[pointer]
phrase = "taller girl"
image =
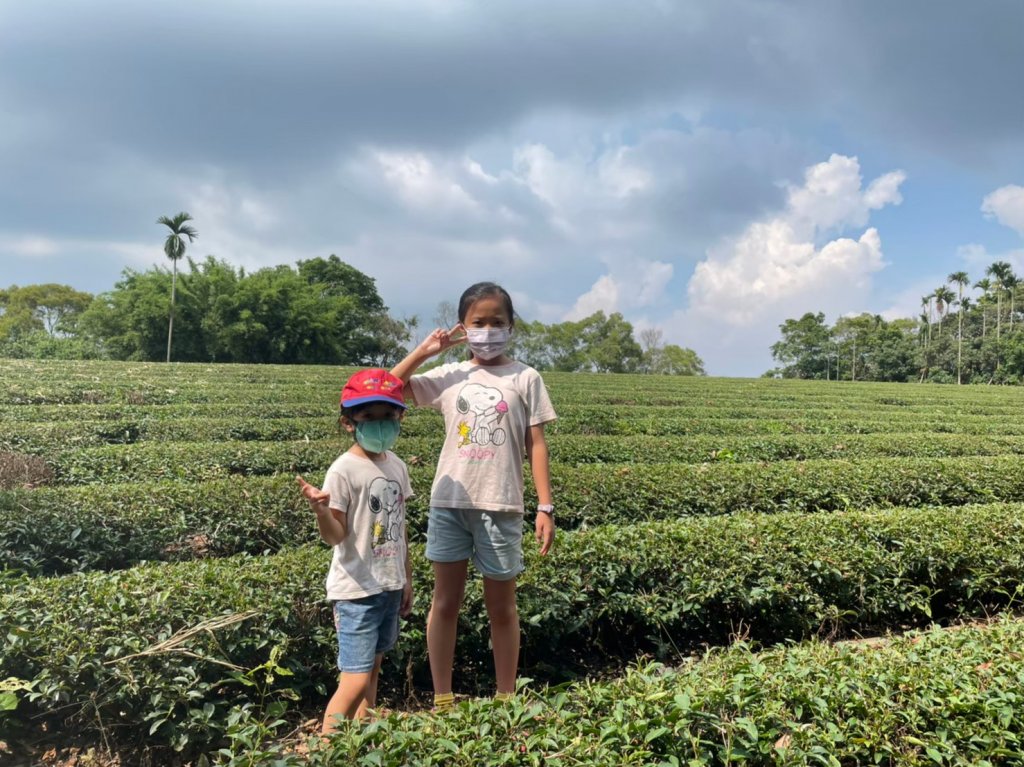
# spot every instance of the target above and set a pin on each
(494, 413)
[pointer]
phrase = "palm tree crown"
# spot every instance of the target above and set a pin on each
(174, 245)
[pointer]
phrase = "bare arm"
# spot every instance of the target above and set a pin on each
(432, 345)
(333, 524)
(406, 608)
(540, 467)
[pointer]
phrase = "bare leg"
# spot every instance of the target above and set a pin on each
(500, 598)
(443, 621)
(347, 699)
(370, 698)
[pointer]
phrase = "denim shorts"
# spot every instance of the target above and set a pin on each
(492, 539)
(366, 627)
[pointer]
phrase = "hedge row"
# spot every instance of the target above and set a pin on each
(210, 460)
(938, 697)
(114, 526)
(43, 376)
(134, 651)
(572, 403)
(71, 430)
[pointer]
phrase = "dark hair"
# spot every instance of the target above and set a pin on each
(474, 293)
(353, 410)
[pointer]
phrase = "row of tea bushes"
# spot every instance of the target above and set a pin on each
(201, 460)
(573, 407)
(51, 377)
(939, 697)
(114, 526)
(134, 649)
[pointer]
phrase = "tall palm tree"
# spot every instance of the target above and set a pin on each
(926, 304)
(998, 271)
(961, 279)
(984, 285)
(943, 298)
(174, 249)
(1011, 281)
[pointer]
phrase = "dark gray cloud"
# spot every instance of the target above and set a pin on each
(606, 133)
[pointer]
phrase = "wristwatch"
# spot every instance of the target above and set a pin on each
(546, 508)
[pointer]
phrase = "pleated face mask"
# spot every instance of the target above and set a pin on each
(487, 343)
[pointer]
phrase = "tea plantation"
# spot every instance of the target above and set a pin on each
(746, 572)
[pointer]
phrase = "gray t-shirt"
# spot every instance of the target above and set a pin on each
(371, 559)
(487, 410)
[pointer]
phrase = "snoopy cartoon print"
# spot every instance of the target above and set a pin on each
(488, 408)
(386, 501)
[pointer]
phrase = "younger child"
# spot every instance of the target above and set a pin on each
(361, 513)
(494, 412)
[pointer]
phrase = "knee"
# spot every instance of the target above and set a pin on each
(446, 607)
(503, 614)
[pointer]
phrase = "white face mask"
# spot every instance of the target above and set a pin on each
(487, 343)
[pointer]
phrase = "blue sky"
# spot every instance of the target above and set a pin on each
(708, 169)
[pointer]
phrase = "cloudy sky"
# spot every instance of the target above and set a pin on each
(707, 168)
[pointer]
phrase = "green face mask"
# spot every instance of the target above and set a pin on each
(377, 436)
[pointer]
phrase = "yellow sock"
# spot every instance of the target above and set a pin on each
(503, 696)
(443, 701)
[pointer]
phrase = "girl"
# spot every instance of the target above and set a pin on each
(361, 513)
(494, 412)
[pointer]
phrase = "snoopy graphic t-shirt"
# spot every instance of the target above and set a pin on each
(487, 411)
(371, 559)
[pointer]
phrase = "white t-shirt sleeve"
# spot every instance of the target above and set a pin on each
(428, 387)
(538, 404)
(338, 487)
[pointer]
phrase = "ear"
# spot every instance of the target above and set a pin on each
(375, 504)
(462, 405)
(346, 423)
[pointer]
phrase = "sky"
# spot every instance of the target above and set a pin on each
(708, 169)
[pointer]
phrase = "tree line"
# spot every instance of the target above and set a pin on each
(957, 338)
(321, 311)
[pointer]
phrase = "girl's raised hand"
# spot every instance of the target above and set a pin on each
(319, 500)
(441, 339)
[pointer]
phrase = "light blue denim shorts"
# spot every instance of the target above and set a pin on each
(492, 539)
(366, 627)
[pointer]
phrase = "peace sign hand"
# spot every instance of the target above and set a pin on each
(441, 340)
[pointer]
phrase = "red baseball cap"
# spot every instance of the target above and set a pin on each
(373, 385)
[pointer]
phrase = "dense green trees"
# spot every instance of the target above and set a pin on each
(42, 321)
(600, 343)
(985, 343)
(321, 311)
(324, 311)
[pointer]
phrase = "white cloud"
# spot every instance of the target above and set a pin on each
(978, 259)
(1006, 205)
(420, 184)
(634, 284)
(831, 196)
(745, 287)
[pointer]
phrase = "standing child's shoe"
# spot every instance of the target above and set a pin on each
(443, 702)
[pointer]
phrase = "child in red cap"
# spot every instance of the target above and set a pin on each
(361, 513)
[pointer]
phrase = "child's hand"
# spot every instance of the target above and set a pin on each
(441, 340)
(319, 500)
(545, 532)
(406, 608)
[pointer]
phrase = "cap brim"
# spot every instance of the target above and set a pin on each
(373, 398)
